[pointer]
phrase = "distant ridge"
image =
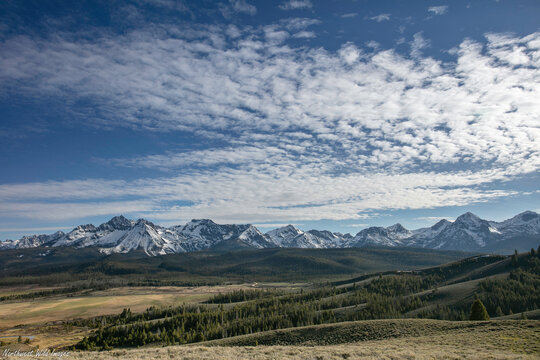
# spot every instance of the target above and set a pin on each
(121, 235)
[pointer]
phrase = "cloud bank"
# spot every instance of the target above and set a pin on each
(309, 134)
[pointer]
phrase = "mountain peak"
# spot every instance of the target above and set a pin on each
(440, 224)
(142, 221)
(397, 228)
(527, 215)
(117, 223)
(290, 227)
(467, 217)
(201, 222)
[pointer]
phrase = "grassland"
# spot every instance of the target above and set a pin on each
(110, 301)
(43, 317)
(383, 339)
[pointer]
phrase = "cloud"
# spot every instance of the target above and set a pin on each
(349, 53)
(71, 210)
(380, 17)
(207, 158)
(438, 10)
(305, 35)
(296, 4)
(243, 7)
(251, 195)
(295, 24)
(349, 15)
(303, 133)
(418, 44)
(34, 230)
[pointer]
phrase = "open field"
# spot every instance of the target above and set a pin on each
(42, 318)
(110, 301)
(384, 339)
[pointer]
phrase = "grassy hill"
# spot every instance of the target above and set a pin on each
(380, 339)
(362, 331)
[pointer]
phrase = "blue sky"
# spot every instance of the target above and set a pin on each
(325, 114)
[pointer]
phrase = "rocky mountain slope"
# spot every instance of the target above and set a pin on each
(120, 235)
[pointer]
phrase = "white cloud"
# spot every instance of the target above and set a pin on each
(35, 230)
(438, 10)
(293, 24)
(243, 7)
(251, 195)
(418, 44)
(380, 17)
(296, 4)
(305, 35)
(349, 53)
(315, 134)
(349, 15)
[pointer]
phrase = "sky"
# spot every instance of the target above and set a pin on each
(334, 114)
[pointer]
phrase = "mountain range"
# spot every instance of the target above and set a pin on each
(121, 235)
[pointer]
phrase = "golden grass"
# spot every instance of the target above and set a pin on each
(42, 317)
(111, 301)
(392, 349)
(510, 340)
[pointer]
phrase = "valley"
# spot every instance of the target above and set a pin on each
(393, 297)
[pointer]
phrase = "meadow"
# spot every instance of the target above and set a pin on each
(378, 339)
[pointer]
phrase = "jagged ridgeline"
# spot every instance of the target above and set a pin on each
(120, 235)
(444, 292)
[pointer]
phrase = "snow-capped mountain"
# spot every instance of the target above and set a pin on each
(120, 235)
(205, 234)
(467, 232)
(106, 234)
(526, 223)
(31, 241)
(394, 235)
(144, 235)
(290, 236)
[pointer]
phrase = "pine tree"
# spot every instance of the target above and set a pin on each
(514, 258)
(478, 311)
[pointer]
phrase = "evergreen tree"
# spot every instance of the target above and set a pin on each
(478, 311)
(514, 258)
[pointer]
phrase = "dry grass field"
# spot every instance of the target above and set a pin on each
(110, 301)
(392, 339)
(42, 317)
